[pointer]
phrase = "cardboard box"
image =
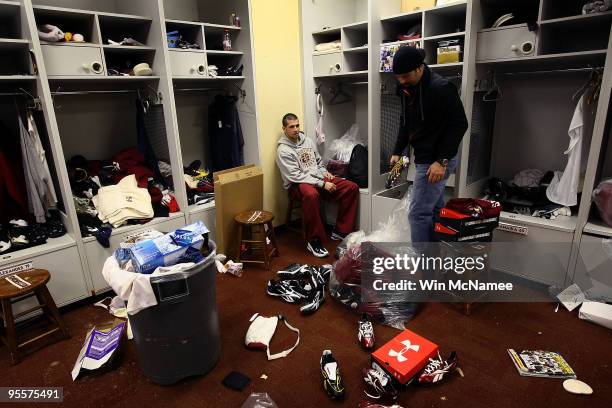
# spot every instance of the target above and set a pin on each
(236, 190)
(411, 5)
(405, 355)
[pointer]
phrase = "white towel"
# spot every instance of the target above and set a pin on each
(563, 188)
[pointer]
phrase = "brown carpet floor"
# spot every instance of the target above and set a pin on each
(480, 341)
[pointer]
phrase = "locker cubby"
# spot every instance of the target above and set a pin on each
(10, 20)
(524, 11)
(354, 36)
(117, 28)
(214, 37)
(191, 33)
(431, 48)
(552, 9)
(405, 24)
(326, 36)
(72, 21)
(120, 59)
(444, 20)
(574, 36)
(15, 61)
(354, 62)
(224, 61)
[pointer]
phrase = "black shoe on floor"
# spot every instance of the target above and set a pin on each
(316, 248)
(332, 381)
(338, 236)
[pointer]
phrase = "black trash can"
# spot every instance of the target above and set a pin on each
(179, 337)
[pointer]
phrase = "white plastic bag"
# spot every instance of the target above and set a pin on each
(342, 148)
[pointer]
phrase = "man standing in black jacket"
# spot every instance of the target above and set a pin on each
(433, 122)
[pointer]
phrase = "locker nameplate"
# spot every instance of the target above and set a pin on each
(26, 266)
(514, 229)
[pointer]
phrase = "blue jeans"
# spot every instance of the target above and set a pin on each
(427, 201)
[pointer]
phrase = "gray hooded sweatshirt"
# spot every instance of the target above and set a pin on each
(299, 162)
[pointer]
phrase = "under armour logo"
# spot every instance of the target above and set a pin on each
(400, 354)
(129, 199)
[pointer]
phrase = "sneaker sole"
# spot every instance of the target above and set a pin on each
(312, 251)
(337, 237)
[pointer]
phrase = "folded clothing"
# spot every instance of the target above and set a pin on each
(116, 204)
(330, 46)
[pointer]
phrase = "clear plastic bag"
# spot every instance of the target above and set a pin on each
(259, 400)
(341, 149)
(354, 251)
(602, 197)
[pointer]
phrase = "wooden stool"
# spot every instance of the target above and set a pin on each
(9, 294)
(295, 204)
(260, 227)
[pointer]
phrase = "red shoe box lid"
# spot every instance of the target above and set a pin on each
(405, 355)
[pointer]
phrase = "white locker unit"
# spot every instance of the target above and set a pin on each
(19, 84)
(526, 126)
(204, 22)
(339, 77)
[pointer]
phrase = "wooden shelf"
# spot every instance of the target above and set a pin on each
(357, 50)
(344, 74)
(52, 245)
(102, 78)
(419, 40)
(9, 8)
(220, 27)
(122, 18)
(207, 78)
(360, 25)
(599, 228)
(52, 10)
(134, 228)
(328, 31)
(8, 78)
(186, 50)
(443, 36)
(221, 52)
(565, 224)
(549, 61)
(70, 44)
(9, 44)
(579, 20)
(128, 48)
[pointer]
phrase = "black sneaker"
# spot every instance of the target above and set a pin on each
(293, 271)
(291, 291)
(314, 301)
(338, 236)
(332, 381)
(317, 249)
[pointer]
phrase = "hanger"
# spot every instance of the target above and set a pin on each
(494, 93)
(339, 95)
(593, 85)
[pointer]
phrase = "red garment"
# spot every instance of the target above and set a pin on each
(347, 196)
(131, 161)
(173, 205)
(13, 201)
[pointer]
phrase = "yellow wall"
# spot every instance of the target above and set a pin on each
(278, 79)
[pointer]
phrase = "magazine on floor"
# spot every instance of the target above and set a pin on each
(539, 363)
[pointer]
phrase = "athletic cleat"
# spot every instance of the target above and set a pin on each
(437, 368)
(338, 236)
(365, 334)
(291, 291)
(314, 301)
(332, 381)
(293, 271)
(317, 249)
(379, 385)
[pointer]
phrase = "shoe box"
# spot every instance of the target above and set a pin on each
(404, 356)
(455, 226)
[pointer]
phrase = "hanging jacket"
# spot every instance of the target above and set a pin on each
(41, 193)
(433, 121)
(225, 134)
(144, 144)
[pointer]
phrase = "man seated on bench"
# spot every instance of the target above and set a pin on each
(307, 180)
